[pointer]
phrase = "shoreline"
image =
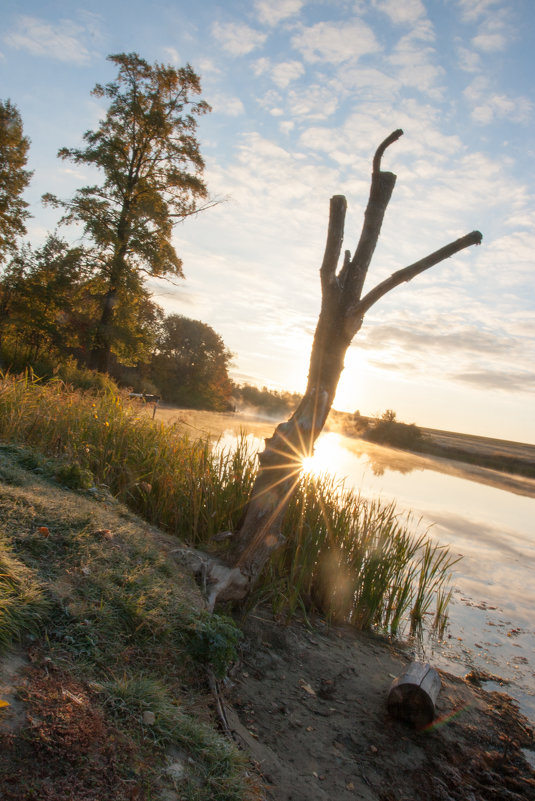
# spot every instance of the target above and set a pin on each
(308, 702)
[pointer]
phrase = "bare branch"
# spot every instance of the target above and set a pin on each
(407, 273)
(335, 236)
(209, 205)
(382, 186)
(394, 136)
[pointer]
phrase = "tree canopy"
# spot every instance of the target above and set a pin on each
(147, 149)
(45, 300)
(190, 365)
(14, 178)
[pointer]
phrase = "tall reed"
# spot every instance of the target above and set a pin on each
(168, 478)
(356, 560)
(346, 557)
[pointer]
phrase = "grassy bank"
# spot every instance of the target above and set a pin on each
(345, 557)
(114, 646)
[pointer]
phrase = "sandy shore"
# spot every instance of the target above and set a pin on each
(309, 706)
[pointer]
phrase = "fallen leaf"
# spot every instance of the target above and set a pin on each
(3, 703)
(308, 689)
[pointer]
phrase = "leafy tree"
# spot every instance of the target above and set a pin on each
(14, 178)
(44, 299)
(149, 155)
(191, 364)
(266, 400)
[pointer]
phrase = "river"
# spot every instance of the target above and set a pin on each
(484, 516)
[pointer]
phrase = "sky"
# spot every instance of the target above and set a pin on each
(302, 93)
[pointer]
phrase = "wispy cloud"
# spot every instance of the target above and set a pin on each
(495, 32)
(424, 336)
(334, 43)
(316, 102)
(507, 380)
(472, 10)
(63, 41)
(172, 55)
(509, 260)
(465, 353)
(488, 105)
(227, 105)
(282, 73)
(415, 62)
(490, 42)
(286, 72)
(271, 12)
(237, 38)
(468, 60)
(406, 12)
(368, 82)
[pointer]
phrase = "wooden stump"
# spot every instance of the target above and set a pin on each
(412, 695)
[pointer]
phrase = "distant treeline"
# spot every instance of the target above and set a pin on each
(265, 401)
(387, 430)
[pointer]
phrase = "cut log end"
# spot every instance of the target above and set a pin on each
(413, 695)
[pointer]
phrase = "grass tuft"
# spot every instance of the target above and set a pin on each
(355, 560)
(23, 605)
(212, 765)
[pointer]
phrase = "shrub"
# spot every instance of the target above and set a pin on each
(213, 642)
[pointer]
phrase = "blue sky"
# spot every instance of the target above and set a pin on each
(302, 93)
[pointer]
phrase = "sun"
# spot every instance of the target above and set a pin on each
(311, 465)
(325, 458)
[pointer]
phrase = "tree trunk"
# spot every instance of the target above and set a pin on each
(341, 316)
(99, 357)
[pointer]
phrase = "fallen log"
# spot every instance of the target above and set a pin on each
(412, 695)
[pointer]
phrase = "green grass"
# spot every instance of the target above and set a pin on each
(345, 557)
(162, 474)
(356, 560)
(109, 611)
(128, 699)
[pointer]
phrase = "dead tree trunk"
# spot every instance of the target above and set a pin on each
(342, 311)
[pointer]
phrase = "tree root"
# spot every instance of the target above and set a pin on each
(218, 581)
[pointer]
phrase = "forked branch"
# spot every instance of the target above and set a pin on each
(407, 273)
(341, 315)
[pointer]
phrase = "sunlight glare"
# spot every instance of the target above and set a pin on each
(326, 456)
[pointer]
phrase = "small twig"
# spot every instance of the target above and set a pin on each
(212, 683)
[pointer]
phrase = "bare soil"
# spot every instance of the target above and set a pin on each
(309, 705)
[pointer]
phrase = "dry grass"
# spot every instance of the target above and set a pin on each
(345, 557)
